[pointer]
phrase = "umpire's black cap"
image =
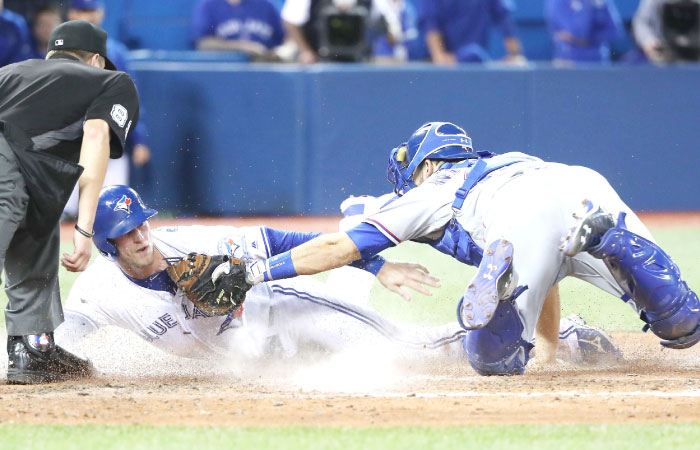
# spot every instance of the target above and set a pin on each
(80, 35)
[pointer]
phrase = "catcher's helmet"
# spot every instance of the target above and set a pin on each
(119, 210)
(434, 140)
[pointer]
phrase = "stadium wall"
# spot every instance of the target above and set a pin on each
(244, 139)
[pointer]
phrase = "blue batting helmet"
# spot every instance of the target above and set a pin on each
(119, 210)
(434, 140)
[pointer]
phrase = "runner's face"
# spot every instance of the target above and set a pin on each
(136, 247)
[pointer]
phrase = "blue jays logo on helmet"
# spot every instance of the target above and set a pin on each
(434, 140)
(119, 210)
(124, 204)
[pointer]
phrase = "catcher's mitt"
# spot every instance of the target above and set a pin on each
(215, 284)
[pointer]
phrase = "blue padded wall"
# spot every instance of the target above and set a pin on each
(232, 138)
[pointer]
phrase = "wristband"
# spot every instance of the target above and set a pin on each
(280, 267)
(275, 268)
(372, 265)
(83, 232)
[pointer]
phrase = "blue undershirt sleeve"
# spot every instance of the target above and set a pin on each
(368, 240)
(282, 241)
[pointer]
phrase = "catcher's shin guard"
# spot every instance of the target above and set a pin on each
(498, 348)
(653, 282)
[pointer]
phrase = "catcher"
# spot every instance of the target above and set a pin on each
(140, 292)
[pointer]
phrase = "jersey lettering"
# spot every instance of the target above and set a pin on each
(196, 312)
(158, 328)
(161, 326)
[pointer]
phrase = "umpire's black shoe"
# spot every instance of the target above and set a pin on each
(35, 359)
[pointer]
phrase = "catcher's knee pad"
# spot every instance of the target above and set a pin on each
(498, 348)
(653, 282)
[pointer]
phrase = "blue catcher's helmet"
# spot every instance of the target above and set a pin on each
(434, 140)
(119, 210)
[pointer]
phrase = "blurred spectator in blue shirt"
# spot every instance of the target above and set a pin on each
(46, 18)
(458, 30)
(404, 44)
(583, 29)
(15, 43)
(250, 26)
(93, 11)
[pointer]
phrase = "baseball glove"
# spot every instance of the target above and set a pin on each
(215, 284)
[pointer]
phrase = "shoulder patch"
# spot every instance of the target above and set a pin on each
(119, 115)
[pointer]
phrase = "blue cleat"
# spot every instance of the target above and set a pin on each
(494, 281)
(591, 224)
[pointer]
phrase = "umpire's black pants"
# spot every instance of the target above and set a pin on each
(31, 265)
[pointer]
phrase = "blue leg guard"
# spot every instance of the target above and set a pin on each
(498, 348)
(653, 282)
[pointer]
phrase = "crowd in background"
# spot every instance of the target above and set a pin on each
(441, 31)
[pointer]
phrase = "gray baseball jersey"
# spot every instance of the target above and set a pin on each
(506, 205)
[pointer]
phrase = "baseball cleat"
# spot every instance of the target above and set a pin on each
(591, 224)
(589, 345)
(494, 281)
(37, 359)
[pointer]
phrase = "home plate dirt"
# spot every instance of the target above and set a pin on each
(140, 385)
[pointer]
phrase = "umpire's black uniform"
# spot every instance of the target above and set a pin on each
(43, 106)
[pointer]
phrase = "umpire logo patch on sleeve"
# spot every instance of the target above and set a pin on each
(119, 115)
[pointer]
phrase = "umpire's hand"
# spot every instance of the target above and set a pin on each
(78, 261)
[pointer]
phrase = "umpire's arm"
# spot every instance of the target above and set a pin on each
(94, 156)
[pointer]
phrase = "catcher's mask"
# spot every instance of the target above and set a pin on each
(119, 210)
(443, 141)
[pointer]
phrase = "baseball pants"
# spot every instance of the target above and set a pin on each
(30, 265)
(534, 211)
(305, 313)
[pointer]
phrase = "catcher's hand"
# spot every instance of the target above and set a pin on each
(215, 284)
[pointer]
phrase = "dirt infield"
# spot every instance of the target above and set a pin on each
(139, 385)
(650, 386)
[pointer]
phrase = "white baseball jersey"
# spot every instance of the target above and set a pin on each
(282, 315)
(528, 203)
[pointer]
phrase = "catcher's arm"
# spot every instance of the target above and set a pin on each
(215, 284)
(333, 250)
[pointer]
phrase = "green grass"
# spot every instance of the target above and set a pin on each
(541, 437)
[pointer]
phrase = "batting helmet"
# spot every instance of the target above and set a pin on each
(435, 140)
(119, 210)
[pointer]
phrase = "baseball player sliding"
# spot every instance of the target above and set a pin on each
(508, 214)
(131, 288)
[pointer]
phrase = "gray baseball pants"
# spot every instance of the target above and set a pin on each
(31, 265)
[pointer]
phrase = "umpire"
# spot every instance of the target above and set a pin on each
(59, 118)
